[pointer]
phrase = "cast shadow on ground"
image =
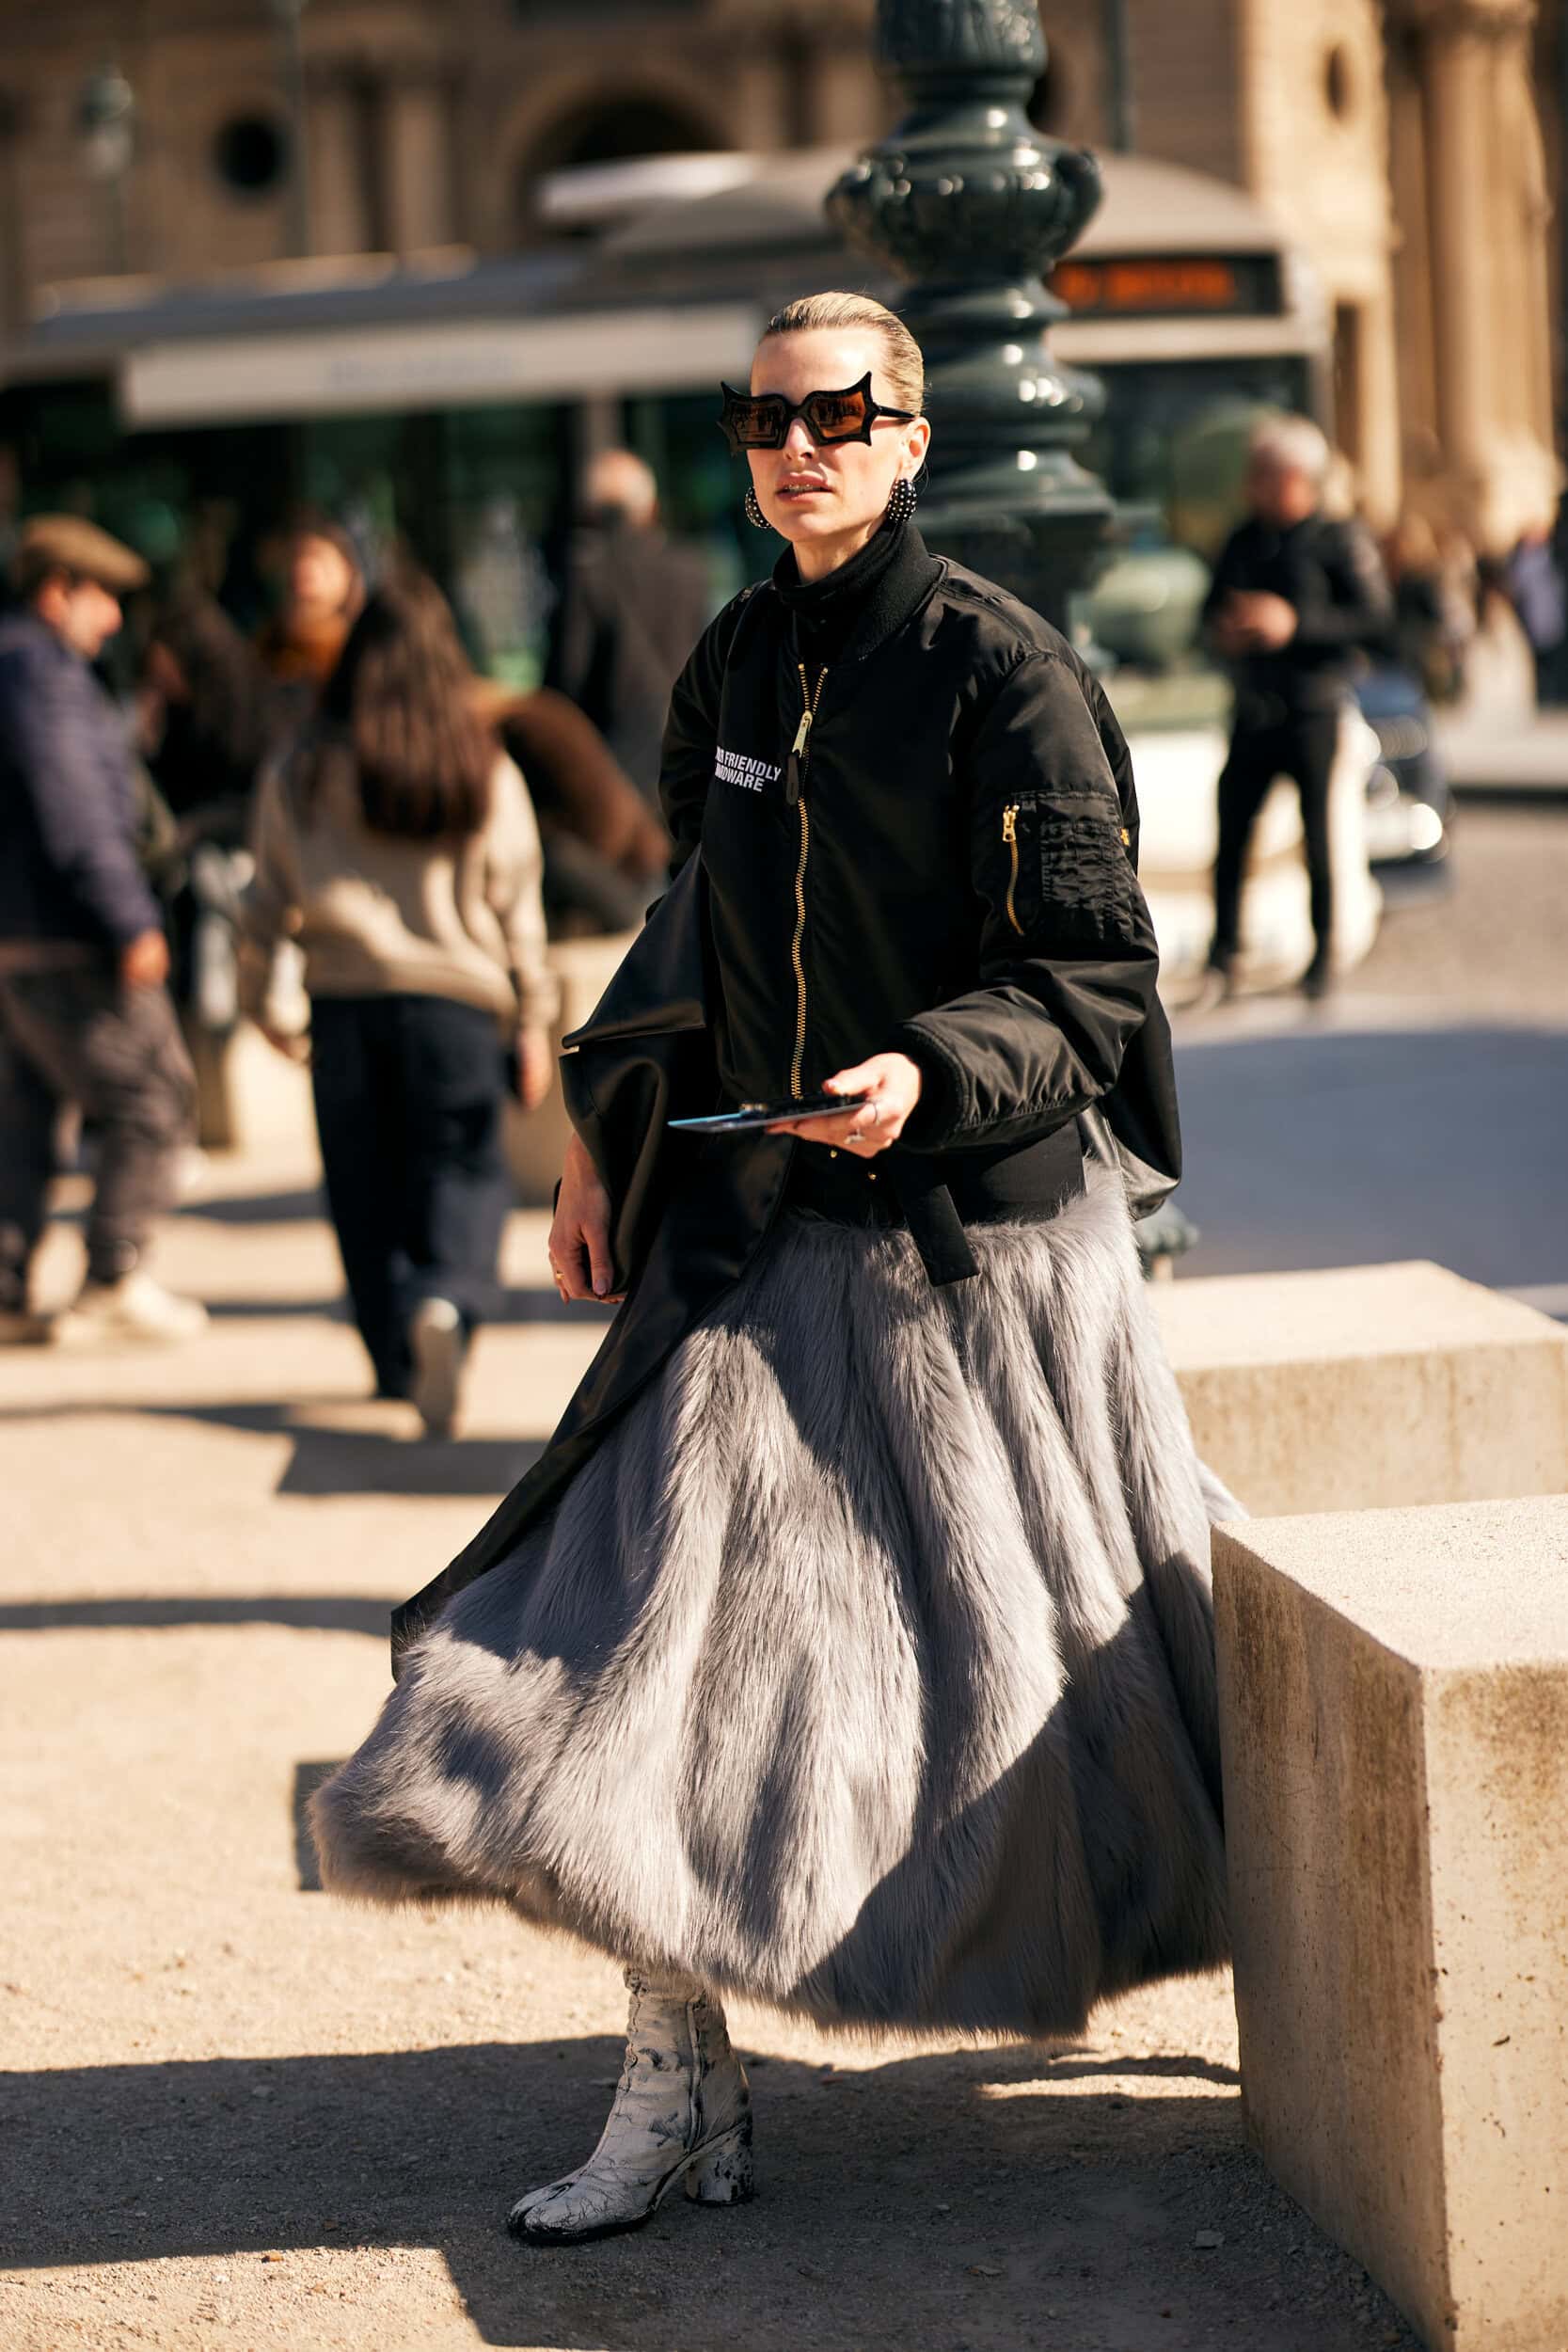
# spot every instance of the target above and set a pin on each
(296, 1207)
(1037, 2198)
(332, 1461)
(520, 1305)
(312, 1613)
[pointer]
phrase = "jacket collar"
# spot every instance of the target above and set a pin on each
(893, 593)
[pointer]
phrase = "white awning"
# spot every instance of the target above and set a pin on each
(445, 364)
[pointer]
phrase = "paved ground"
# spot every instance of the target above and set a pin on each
(237, 2117)
(1422, 1113)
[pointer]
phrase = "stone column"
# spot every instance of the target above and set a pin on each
(13, 281)
(1486, 264)
(417, 159)
(1459, 167)
(341, 206)
(847, 100)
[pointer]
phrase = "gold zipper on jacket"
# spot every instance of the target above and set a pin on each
(1009, 835)
(800, 751)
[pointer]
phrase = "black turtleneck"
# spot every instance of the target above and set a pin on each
(828, 615)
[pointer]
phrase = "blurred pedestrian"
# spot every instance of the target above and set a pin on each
(1432, 622)
(632, 602)
(324, 586)
(1296, 595)
(208, 718)
(1532, 579)
(85, 1017)
(607, 854)
(396, 845)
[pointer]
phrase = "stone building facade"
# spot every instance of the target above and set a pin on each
(1399, 141)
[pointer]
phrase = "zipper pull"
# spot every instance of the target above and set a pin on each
(794, 765)
(1009, 823)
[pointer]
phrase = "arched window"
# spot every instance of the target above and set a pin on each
(611, 131)
(633, 125)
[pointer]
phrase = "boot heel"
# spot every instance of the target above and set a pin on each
(723, 2173)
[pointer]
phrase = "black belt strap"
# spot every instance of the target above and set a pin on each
(934, 1224)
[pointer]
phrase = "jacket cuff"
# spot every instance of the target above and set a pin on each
(944, 1092)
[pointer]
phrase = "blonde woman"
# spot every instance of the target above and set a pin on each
(851, 1647)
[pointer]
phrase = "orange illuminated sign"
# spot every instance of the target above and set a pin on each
(1168, 284)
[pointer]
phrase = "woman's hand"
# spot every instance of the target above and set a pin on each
(535, 1066)
(890, 1082)
(578, 1244)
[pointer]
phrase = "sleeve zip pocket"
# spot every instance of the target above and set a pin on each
(1046, 853)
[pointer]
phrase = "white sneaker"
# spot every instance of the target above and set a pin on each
(682, 2117)
(136, 1307)
(436, 1337)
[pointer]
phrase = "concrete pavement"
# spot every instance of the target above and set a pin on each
(1422, 1111)
(238, 2117)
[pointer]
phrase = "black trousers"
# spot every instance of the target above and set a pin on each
(1302, 748)
(409, 1093)
(79, 1036)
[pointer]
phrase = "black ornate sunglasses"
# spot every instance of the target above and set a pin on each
(761, 419)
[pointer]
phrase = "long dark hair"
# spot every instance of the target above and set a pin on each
(215, 741)
(402, 697)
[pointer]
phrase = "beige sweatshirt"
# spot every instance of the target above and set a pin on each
(375, 915)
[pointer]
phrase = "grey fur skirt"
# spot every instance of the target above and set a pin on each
(867, 1669)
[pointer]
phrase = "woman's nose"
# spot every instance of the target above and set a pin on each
(798, 440)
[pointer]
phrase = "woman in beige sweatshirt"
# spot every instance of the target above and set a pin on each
(396, 849)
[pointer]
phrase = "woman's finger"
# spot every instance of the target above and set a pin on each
(600, 1271)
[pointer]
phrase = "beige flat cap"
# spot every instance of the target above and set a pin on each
(67, 543)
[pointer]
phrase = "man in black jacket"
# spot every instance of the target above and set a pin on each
(633, 604)
(1296, 596)
(85, 1017)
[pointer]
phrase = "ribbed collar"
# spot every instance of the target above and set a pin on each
(858, 606)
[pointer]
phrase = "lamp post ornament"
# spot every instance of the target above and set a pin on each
(975, 206)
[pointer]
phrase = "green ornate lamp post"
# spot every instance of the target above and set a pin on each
(975, 206)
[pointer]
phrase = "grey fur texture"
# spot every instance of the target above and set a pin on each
(867, 1667)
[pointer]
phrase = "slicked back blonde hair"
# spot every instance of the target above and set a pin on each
(838, 313)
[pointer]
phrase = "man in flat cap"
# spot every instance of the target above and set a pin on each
(85, 1017)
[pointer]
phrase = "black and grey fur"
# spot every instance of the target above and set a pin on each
(867, 1668)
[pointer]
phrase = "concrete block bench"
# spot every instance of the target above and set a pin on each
(1369, 1386)
(1394, 1695)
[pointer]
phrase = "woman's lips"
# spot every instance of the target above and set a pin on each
(802, 489)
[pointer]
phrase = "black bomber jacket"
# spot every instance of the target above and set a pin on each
(949, 869)
(942, 862)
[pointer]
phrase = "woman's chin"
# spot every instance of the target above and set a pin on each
(813, 521)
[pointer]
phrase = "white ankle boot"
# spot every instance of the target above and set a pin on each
(682, 2113)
